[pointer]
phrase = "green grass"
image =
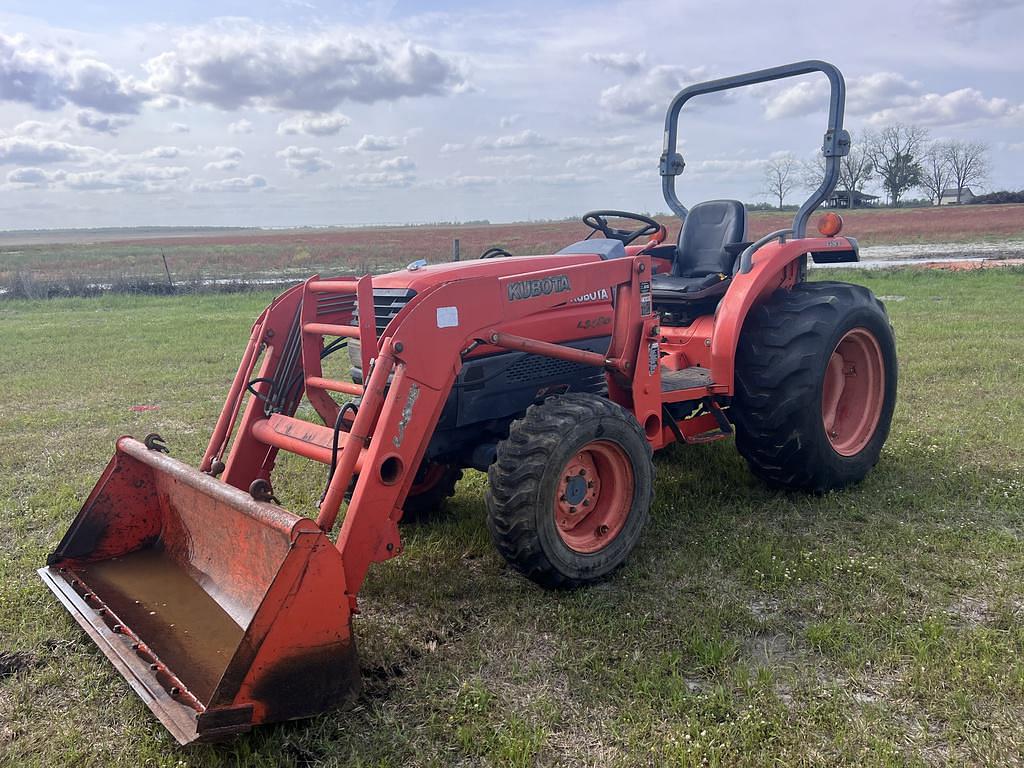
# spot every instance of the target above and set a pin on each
(879, 626)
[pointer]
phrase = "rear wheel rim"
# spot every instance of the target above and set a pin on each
(594, 496)
(853, 392)
(426, 478)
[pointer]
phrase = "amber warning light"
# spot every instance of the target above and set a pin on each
(830, 224)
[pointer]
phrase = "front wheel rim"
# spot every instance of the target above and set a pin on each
(594, 496)
(853, 392)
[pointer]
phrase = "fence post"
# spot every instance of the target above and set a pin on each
(170, 284)
(455, 249)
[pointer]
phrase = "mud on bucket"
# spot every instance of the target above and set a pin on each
(221, 611)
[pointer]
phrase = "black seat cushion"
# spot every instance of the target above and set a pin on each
(707, 229)
(704, 261)
(671, 289)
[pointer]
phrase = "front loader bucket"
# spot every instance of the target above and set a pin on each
(221, 611)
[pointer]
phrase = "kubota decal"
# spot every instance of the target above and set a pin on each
(601, 295)
(545, 286)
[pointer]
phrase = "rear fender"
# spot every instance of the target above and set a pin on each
(774, 266)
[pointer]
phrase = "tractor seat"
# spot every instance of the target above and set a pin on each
(711, 239)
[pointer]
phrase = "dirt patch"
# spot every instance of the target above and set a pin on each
(966, 266)
(771, 650)
(13, 662)
(971, 611)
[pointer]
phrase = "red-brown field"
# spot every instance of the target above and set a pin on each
(289, 253)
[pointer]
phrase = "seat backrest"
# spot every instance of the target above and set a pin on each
(707, 229)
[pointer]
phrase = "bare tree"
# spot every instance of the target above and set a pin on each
(781, 177)
(855, 171)
(968, 163)
(935, 171)
(894, 152)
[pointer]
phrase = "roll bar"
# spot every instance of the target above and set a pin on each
(836, 143)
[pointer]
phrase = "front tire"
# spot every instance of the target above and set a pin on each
(815, 386)
(570, 491)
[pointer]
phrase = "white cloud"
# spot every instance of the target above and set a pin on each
(381, 179)
(100, 123)
(400, 163)
(627, 63)
(314, 124)
(648, 94)
(525, 139)
(467, 180)
(31, 151)
(558, 179)
(240, 126)
(48, 78)
(238, 64)
(228, 153)
(509, 120)
(971, 11)
(592, 160)
(885, 97)
(595, 142)
(509, 160)
(40, 129)
(864, 94)
(965, 105)
(33, 177)
(221, 165)
(304, 160)
(162, 153)
(180, 128)
(152, 178)
(720, 168)
(237, 184)
(447, 149)
(370, 143)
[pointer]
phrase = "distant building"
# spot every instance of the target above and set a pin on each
(949, 196)
(842, 198)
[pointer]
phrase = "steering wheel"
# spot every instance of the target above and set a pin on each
(598, 221)
(494, 252)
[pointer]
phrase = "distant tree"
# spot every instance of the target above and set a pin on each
(935, 171)
(1001, 197)
(855, 171)
(895, 152)
(781, 176)
(968, 163)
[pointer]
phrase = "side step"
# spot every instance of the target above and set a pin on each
(686, 378)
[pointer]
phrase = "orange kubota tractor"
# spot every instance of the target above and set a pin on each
(557, 374)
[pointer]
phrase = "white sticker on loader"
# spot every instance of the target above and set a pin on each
(447, 317)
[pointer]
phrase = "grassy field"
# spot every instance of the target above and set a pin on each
(879, 626)
(115, 256)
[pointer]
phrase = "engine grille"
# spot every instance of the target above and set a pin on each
(387, 302)
(533, 367)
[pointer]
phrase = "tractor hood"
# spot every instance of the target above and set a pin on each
(419, 279)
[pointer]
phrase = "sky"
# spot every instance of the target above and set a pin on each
(296, 113)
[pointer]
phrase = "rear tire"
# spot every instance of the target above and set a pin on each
(570, 491)
(815, 386)
(433, 486)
